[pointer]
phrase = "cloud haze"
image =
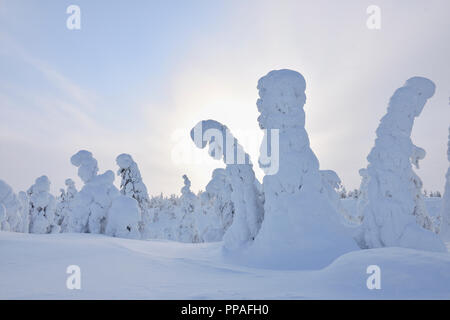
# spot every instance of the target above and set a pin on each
(139, 74)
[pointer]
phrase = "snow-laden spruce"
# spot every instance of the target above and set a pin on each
(248, 211)
(42, 207)
(445, 211)
(301, 227)
(187, 213)
(391, 203)
(13, 218)
(133, 186)
(91, 204)
(65, 204)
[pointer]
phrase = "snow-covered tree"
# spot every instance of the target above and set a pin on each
(91, 204)
(24, 211)
(124, 218)
(391, 200)
(187, 215)
(42, 206)
(301, 227)
(65, 204)
(445, 211)
(217, 208)
(4, 225)
(245, 196)
(164, 219)
(12, 207)
(132, 185)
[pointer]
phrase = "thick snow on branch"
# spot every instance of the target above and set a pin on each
(301, 227)
(87, 165)
(392, 203)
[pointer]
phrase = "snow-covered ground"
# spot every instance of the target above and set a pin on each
(33, 266)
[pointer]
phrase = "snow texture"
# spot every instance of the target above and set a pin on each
(391, 203)
(301, 227)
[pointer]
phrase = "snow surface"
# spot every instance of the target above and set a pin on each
(34, 267)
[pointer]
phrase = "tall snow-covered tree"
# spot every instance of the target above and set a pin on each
(132, 185)
(91, 204)
(391, 201)
(301, 227)
(42, 206)
(12, 207)
(445, 211)
(248, 210)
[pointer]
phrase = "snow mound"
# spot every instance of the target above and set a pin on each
(123, 218)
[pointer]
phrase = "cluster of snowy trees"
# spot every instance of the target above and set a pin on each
(128, 212)
(294, 218)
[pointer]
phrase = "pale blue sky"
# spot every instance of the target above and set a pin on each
(141, 73)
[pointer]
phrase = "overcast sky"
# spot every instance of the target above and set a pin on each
(139, 75)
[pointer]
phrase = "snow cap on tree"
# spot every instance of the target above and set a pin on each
(87, 165)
